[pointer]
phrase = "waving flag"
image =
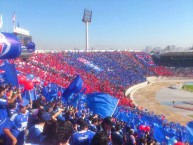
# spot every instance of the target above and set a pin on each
(159, 133)
(29, 95)
(76, 84)
(189, 127)
(50, 92)
(45, 92)
(1, 21)
(123, 116)
(102, 104)
(74, 87)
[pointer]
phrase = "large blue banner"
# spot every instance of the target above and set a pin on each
(102, 104)
(10, 47)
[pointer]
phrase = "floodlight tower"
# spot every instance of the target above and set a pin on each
(87, 19)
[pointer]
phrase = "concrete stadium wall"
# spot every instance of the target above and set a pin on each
(149, 80)
(136, 87)
(130, 91)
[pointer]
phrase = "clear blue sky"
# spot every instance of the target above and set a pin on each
(117, 24)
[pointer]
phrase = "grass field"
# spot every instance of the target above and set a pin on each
(188, 88)
(191, 116)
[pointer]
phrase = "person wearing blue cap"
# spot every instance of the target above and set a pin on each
(15, 127)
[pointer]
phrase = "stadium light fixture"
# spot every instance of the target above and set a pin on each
(87, 19)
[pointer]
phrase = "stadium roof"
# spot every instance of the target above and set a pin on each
(190, 53)
(176, 54)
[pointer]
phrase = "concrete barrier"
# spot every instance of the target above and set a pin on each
(151, 79)
(129, 90)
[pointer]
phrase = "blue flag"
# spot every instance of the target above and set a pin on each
(159, 133)
(102, 104)
(29, 95)
(147, 119)
(123, 116)
(189, 127)
(47, 93)
(74, 87)
(8, 74)
(50, 92)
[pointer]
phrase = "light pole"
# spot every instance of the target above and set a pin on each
(87, 19)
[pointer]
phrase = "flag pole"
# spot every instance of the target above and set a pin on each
(13, 19)
(1, 22)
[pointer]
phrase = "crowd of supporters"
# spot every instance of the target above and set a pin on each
(111, 72)
(178, 65)
(51, 122)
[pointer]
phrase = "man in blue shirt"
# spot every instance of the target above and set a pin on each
(15, 126)
(3, 107)
(84, 136)
(35, 131)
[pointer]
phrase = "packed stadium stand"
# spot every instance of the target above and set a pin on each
(109, 72)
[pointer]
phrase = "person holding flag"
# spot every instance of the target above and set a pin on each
(3, 107)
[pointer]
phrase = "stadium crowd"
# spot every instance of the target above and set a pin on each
(37, 114)
(51, 123)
